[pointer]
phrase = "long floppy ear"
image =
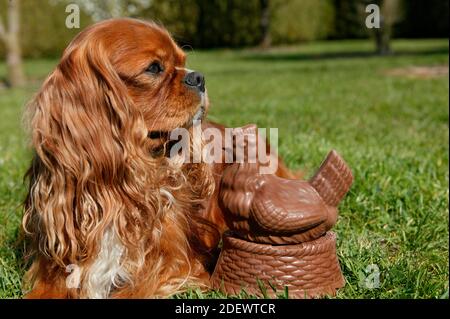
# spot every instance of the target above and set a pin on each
(90, 170)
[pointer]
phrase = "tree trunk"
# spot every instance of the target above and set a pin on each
(383, 38)
(266, 40)
(11, 37)
(390, 13)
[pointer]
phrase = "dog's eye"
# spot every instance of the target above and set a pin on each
(154, 68)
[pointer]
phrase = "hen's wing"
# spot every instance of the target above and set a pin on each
(287, 206)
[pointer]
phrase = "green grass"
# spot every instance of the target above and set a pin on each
(392, 130)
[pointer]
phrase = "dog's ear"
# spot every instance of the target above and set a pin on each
(89, 143)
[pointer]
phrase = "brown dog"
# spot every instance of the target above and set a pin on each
(108, 214)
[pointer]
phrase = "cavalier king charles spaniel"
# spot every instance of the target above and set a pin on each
(108, 213)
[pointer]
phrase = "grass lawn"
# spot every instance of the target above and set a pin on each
(392, 129)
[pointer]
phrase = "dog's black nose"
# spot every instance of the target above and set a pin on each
(196, 80)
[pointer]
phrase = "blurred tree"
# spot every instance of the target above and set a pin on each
(43, 32)
(301, 20)
(266, 39)
(347, 20)
(222, 23)
(390, 14)
(350, 16)
(179, 17)
(208, 23)
(424, 19)
(10, 36)
(230, 23)
(105, 9)
(235, 23)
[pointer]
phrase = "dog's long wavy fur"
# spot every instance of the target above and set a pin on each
(97, 199)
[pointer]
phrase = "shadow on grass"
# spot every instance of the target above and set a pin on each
(297, 56)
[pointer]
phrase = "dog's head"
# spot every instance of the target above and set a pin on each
(144, 64)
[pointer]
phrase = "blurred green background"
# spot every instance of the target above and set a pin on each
(228, 23)
(312, 69)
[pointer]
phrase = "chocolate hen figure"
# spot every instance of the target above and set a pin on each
(269, 209)
(279, 229)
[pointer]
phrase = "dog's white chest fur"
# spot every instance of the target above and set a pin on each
(106, 272)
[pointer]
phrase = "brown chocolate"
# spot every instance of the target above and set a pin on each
(269, 209)
(308, 269)
(279, 229)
